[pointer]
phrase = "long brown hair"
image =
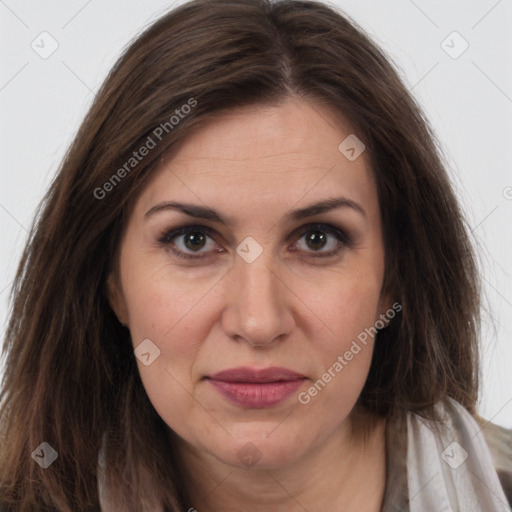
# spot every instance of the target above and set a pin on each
(71, 378)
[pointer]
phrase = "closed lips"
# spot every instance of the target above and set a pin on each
(254, 375)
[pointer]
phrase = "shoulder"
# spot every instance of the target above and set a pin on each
(499, 441)
(488, 445)
(470, 460)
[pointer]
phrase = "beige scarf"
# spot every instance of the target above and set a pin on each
(449, 465)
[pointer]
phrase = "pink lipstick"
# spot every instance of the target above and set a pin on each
(256, 388)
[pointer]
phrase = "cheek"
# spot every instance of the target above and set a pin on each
(161, 303)
(177, 322)
(170, 321)
(176, 316)
(347, 304)
(347, 309)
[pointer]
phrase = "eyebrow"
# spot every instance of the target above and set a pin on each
(204, 212)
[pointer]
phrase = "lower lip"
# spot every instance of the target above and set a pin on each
(257, 395)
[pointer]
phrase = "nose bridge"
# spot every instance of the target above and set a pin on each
(257, 309)
(254, 266)
(257, 280)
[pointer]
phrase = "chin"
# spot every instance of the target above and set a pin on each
(262, 451)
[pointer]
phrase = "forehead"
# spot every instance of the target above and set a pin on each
(262, 154)
(292, 129)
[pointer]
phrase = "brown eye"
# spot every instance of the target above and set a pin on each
(188, 242)
(316, 240)
(322, 236)
(194, 240)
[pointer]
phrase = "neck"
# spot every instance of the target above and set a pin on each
(346, 472)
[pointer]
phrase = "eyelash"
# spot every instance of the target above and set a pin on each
(343, 238)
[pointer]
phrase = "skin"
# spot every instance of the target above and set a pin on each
(286, 308)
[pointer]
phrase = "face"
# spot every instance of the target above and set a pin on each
(235, 280)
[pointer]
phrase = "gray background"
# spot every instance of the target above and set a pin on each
(468, 99)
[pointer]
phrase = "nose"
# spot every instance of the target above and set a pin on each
(258, 309)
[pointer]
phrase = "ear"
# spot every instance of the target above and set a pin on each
(387, 308)
(385, 303)
(116, 298)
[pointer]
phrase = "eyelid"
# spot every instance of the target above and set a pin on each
(344, 238)
(340, 233)
(168, 235)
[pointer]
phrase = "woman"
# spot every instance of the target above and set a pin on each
(250, 286)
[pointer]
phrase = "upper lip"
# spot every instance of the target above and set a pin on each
(247, 374)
